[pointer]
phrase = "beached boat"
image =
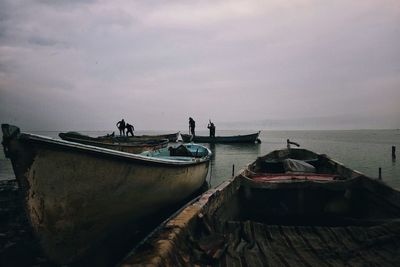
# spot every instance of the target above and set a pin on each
(292, 207)
(135, 146)
(248, 138)
(76, 196)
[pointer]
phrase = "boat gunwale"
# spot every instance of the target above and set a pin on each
(135, 143)
(110, 152)
(198, 204)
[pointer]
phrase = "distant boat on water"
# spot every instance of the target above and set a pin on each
(173, 137)
(291, 207)
(130, 145)
(77, 196)
(248, 138)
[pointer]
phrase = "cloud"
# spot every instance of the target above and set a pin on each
(159, 62)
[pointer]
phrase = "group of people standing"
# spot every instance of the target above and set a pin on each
(121, 125)
(192, 126)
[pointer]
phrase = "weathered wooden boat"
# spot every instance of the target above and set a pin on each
(292, 207)
(131, 146)
(248, 138)
(76, 195)
(171, 137)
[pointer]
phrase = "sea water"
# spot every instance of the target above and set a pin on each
(363, 150)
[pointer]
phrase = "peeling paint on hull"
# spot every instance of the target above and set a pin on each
(77, 195)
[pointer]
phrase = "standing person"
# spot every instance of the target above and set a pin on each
(129, 129)
(192, 125)
(121, 127)
(211, 126)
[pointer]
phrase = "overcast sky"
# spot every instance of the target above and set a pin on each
(85, 64)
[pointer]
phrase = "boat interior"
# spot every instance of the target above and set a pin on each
(339, 203)
(180, 152)
(307, 223)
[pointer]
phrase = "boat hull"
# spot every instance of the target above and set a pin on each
(250, 138)
(76, 195)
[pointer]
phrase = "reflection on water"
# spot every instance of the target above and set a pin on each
(228, 158)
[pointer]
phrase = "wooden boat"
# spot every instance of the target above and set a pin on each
(292, 207)
(171, 137)
(248, 138)
(76, 196)
(130, 146)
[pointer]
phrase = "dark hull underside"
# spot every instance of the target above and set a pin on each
(250, 138)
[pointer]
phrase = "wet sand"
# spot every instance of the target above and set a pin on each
(18, 246)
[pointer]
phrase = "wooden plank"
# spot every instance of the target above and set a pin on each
(371, 248)
(300, 243)
(313, 244)
(334, 245)
(352, 257)
(263, 239)
(281, 247)
(294, 245)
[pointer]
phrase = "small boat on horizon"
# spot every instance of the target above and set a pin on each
(291, 207)
(248, 138)
(79, 197)
(130, 145)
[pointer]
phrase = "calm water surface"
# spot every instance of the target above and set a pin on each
(362, 150)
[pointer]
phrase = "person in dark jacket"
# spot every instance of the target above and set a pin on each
(192, 125)
(121, 127)
(129, 129)
(211, 126)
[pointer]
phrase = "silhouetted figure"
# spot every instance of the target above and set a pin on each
(211, 126)
(192, 125)
(111, 135)
(291, 143)
(129, 129)
(121, 127)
